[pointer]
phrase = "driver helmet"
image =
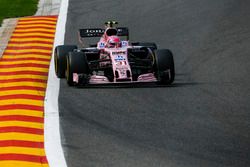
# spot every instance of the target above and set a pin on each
(113, 42)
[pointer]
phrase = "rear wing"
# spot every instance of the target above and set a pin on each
(123, 31)
(98, 32)
(91, 32)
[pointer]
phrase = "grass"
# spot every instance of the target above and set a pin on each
(17, 8)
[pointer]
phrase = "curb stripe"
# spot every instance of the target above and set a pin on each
(23, 157)
(25, 65)
(21, 96)
(17, 69)
(22, 88)
(28, 47)
(23, 80)
(31, 42)
(19, 143)
(21, 129)
(22, 150)
(28, 92)
(38, 32)
(35, 30)
(45, 33)
(20, 124)
(13, 163)
(21, 136)
(28, 56)
(22, 62)
(32, 18)
(22, 112)
(23, 51)
(32, 36)
(11, 75)
(37, 103)
(21, 106)
(36, 23)
(24, 73)
(28, 53)
(35, 35)
(37, 20)
(24, 59)
(35, 27)
(21, 118)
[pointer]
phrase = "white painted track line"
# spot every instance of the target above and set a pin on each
(53, 147)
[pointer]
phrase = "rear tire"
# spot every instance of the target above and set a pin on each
(60, 59)
(76, 63)
(164, 62)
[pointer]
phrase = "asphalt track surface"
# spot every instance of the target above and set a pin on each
(203, 119)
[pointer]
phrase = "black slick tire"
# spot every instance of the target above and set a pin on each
(76, 63)
(164, 69)
(60, 59)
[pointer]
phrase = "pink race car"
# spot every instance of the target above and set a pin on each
(113, 60)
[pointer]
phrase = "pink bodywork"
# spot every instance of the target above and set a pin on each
(120, 64)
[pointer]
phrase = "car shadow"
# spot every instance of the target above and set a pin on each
(181, 80)
(138, 85)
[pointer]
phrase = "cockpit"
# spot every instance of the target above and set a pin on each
(111, 31)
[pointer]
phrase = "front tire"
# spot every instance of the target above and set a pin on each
(165, 70)
(76, 63)
(60, 59)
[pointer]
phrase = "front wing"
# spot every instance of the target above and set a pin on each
(83, 80)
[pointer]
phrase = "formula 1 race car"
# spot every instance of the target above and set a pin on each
(113, 60)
